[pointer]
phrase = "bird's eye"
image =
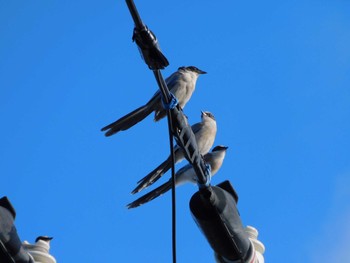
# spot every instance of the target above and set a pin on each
(211, 115)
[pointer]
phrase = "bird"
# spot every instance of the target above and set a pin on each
(185, 175)
(42, 244)
(204, 132)
(181, 84)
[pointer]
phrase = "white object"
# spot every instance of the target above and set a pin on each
(258, 246)
(39, 251)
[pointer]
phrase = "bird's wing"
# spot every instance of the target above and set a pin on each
(172, 80)
(196, 127)
(186, 175)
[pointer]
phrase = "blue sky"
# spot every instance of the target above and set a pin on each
(278, 84)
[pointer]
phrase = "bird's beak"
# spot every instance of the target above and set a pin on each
(201, 72)
(203, 113)
(225, 147)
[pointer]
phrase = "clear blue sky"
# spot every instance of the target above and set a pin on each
(278, 83)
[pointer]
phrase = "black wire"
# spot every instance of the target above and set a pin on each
(166, 97)
(173, 192)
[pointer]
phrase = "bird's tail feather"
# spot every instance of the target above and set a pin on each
(153, 176)
(128, 120)
(151, 195)
(160, 115)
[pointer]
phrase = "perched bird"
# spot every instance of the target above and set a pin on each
(204, 132)
(185, 175)
(42, 243)
(39, 251)
(181, 84)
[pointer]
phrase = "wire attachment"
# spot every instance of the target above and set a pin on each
(207, 176)
(173, 102)
(149, 48)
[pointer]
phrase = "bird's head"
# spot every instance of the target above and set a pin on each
(207, 114)
(220, 148)
(193, 69)
(43, 238)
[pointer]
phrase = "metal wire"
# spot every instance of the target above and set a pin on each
(166, 98)
(173, 191)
